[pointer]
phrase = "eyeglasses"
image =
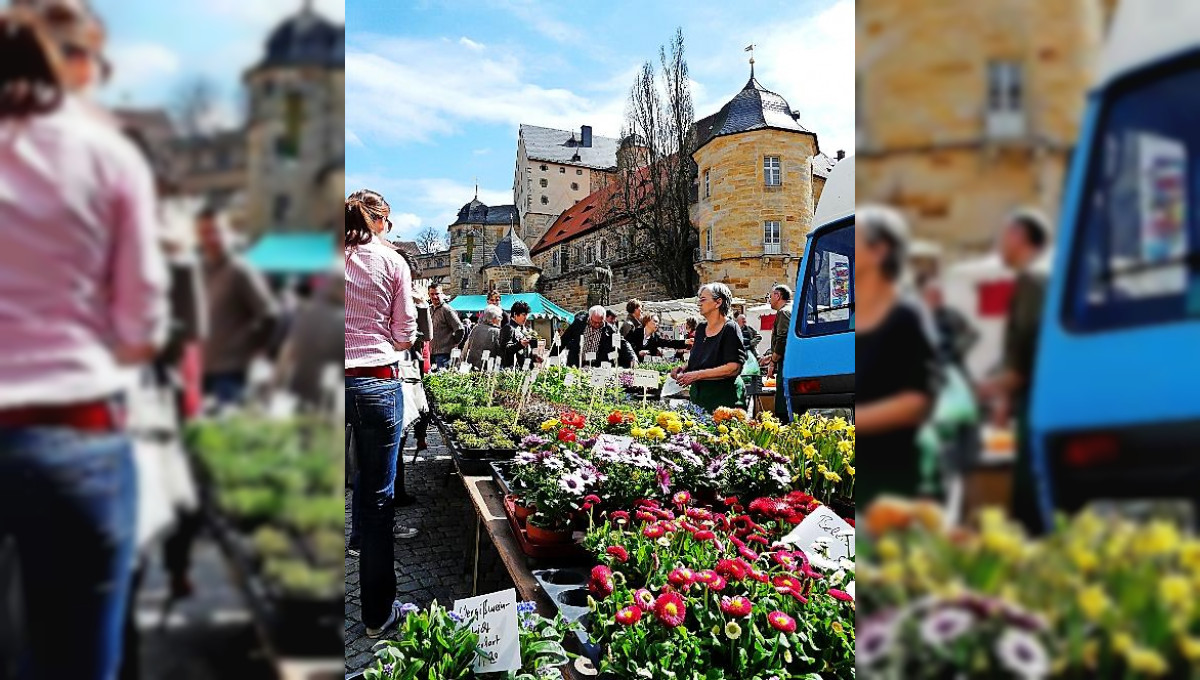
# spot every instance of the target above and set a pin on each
(388, 220)
(703, 299)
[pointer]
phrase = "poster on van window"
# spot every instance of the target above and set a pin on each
(839, 288)
(1162, 194)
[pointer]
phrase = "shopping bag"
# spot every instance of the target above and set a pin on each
(956, 402)
(413, 391)
(156, 513)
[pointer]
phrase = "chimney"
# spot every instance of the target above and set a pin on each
(586, 135)
(841, 154)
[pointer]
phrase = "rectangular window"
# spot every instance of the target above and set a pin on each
(772, 177)
(1005, 115)
(578, 171)
(562, 171)
(772, 243)
(707, 185)
(566, 260)
(708, 243)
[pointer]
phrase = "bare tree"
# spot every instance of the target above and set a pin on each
(429, 240)
(654, 182)
(194, 103)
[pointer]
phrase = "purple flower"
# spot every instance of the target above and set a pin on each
(408, 609)
(626, 379)
(664, 479)
(588, 443)
(533, 441)
(456, 617)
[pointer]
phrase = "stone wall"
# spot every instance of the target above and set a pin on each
(739, 204)
(486, 238)
(924, 142)
(631, 278)
(502, 279)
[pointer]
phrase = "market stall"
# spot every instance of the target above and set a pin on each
(545, 316)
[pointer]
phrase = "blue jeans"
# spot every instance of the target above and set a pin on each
(70, 500)
(373, 410)
(226, 388)
(440, 360)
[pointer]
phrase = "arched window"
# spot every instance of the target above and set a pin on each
(602, 249)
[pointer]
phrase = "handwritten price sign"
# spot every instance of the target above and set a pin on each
(494, 619)
(824, 524)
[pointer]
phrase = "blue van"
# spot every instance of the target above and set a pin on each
(818, 365)
(1115, 410)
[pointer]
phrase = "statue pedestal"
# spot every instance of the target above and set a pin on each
(598, 294)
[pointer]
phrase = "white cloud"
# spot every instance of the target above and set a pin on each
(417, 89)
(432, 202)
(811, 63)
(536, 15)
(471, 44)
(353, 140)
(266, 13)
(481, 152)
(141, 65)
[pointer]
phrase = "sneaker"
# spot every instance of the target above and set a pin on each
(404, 533)
(393, 619)
(353, 549)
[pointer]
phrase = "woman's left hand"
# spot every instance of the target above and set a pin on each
(685, 379)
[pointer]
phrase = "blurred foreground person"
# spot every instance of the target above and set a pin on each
(1021, 245)
(83, 290)
(956, 335)
(242, 313)
(894, 362)
(380, 326)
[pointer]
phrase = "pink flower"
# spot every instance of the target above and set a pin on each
(670, 609)
(704, 535)
(653, 531)
(782, 622)
(619, 553)
(736, 606)
(682, 498)
(601, 583)
(629, 616)
(644, 599)
(840, 595)
(681, 577)
(734, 570)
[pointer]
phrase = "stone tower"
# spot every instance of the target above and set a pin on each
(474, 237)
(756, 189)
(511, 270)
(296, 129)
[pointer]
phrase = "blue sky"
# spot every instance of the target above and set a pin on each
(436, 88)
(156, 46)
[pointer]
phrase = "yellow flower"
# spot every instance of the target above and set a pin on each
(850, 470)
(821, 468)
(837, 627)
(1159, 538)
(723, 430)
(1085, 560)
(1175, 592)
(888, 548)
(1121, 642)
(806, 433)
(637, 432)
(1093, 602)
(716, 630)
(674, 427)
(656, 433)
(845, 447)
(1190, 647)
(831, 476)
(809, 451)
(1148, 661)
(549, 425)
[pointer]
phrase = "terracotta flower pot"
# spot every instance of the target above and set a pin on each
(540, 535)
(522, 512)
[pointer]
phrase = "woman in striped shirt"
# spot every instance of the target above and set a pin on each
(381, 323)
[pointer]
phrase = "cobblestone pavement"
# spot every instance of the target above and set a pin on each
(435, 565)
(209, 636)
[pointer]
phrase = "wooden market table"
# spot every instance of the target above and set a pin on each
(488, 502)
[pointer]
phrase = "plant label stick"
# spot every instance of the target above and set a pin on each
(590, 357)
(464, 368)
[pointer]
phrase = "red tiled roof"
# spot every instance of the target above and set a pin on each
(585, 216)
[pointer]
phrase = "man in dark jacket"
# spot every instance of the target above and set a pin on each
(590, 335)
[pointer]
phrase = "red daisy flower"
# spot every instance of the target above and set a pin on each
(747, 553)
(671, 610)
(717, 583)
(601, 583)
(755, 538)
(682, 577)
(782, 622)
(786, 560)
(629, 616)
(787, 584)
(734, 570)
(619, 516)
(736, 606)
(653, 531)
(705, 576)
(644, 599)
(704, 535)
(840, 595)
(566, 435)
(644, 516)
(615, 418)
(618, 552)
(731, 500)
(682, 498)
(759, 575)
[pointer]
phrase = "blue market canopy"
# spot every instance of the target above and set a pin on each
(293, 253)
(539, 307)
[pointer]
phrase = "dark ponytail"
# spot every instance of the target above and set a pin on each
(30, 75)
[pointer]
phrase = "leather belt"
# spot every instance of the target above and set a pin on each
(96, 416)
(384, 372)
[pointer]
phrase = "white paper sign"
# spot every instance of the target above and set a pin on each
(612, 356)
(528, 364)
(569, 379)
(589, 357)
(643, 377)
(687, 356)
(494, 619)
(260, 372)
(464, 368)
(528, 384)
(282, 405)
(600, 376)
(824, 523)
(606, 365)
(455, 354)
(671, 387)
(487, 353)
(618, 441)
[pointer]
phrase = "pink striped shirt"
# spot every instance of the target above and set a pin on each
(379, 304)
(81, 270)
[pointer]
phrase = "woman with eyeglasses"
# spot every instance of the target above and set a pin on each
(714, 368)
(381, 326)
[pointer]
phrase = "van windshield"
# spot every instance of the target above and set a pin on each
(827, 289)
(1137, 256)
